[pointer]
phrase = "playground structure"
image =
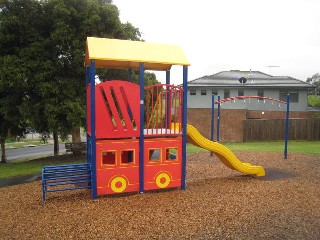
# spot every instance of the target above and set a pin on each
(136, 135)
(219, 102)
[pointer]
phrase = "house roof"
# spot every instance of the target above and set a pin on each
(124, 54)
(252, 79)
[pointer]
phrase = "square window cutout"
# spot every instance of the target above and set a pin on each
(154, 155)
(171, 154)
(109, 157)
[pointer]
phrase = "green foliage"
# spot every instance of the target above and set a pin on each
(315, 80)
(119, 74)
(314, 101)
(42, 44)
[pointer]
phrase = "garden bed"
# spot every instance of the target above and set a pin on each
(219, 203)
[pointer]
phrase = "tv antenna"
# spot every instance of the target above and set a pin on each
(272, 66)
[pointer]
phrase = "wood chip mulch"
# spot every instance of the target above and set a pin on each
(219, 203)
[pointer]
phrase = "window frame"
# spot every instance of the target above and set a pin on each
(176, 150)
(203, 92)
(242, 92)
(149, 160)
(214, 91)
(105, 153)
(294, 96)
(133, 156)
(228, 93)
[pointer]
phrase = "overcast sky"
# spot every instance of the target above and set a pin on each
(221, 35)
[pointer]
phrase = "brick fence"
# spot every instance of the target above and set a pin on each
(231, 124)
(232, 121)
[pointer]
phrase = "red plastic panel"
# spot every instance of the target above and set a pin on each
(117, 109)
(163, 171)
(117, 166)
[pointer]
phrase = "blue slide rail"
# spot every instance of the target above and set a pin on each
(65, 177)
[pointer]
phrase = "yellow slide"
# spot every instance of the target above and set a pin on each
(222, 152)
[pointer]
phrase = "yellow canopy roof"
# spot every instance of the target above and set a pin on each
(115, 53)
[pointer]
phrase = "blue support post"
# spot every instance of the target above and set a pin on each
(168, 77)
(184, 127)
(87, 82)
(287, 128)
(93, 128)
(141, 140)
(212, 121)
(130, 75)
(218, 121)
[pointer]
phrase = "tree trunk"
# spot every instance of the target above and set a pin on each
(55, 143)
(3, 151)
(76, 137)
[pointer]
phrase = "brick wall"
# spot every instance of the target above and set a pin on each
(200, 118)
(232, 121)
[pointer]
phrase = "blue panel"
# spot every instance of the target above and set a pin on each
(141, 141)
(184, 127)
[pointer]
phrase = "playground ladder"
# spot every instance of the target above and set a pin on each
(65, 177)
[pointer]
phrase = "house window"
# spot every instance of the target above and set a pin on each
(240, 92)
(215, 92)
(192, 92)
(260, 93)
(294, 96)
(226, 94)
(203, 92)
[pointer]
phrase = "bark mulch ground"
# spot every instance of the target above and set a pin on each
(219, 203)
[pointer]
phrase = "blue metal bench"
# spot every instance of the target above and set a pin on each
(65, 177)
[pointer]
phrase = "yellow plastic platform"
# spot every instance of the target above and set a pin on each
(223, 153)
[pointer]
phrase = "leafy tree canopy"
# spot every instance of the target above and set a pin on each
(42, 45)
(315, 80)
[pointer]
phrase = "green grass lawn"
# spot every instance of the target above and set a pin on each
(25, 167)
(306, 147)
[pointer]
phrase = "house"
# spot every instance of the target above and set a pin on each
(248, 83)
(227, 84)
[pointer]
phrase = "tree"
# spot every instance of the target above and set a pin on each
(48, 38)
(73, 21)
(315, 80)
(314, 97)
(13, 69)
(10, 117)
